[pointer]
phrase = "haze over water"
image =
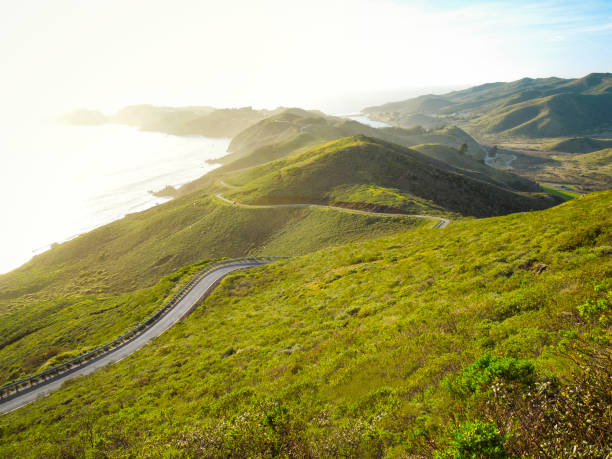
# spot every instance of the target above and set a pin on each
(59, 181)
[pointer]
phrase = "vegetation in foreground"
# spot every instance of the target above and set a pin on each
(455, 343)
(39, 332)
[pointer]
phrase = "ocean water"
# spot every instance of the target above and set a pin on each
(58, 181)
(365, 119)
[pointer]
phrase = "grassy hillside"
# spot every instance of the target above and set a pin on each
(301, 131)
(85, 291)
(536, 108)
(353, 351)
(139, 249)
(476, 168)
(377, 172)
(552, 116)
(278, 127)
(45, 329)
(592, 170)
(295, 130)
(451, 136)
(579, 145)
(286, 133)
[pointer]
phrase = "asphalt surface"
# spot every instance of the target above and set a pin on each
(441, 222)
(174, 315)
(179, 311)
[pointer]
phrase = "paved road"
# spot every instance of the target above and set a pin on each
(174, 315)
(182, 308)
(441, 222)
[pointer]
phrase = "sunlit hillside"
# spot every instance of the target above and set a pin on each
(301, 230)
(366, 349)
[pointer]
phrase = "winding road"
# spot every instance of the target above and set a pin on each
(441, 222)
(182, 308)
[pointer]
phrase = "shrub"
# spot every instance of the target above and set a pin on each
(476, 440)
(599, 306)
(560, 418)
(479, 376)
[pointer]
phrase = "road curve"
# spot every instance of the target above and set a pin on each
(184, 306)
(441, 221)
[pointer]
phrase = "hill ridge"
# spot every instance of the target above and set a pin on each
(335, 170)
(534, 108)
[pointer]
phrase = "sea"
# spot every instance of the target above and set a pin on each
(58, 181)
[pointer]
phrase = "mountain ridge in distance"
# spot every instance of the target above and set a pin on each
(533, 108)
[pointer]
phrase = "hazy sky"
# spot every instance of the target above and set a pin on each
(62, 54)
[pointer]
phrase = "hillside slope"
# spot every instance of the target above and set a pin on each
(553, 116)
(343, 352)
(476, 168)
(592, 170)
(580, 145)
(93, 288)
(344, 169)
(295, 130)
(288, 132)
(535, 108)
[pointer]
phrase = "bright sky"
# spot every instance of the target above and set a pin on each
(62, 54)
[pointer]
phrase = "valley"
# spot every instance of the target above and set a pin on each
(525, 124)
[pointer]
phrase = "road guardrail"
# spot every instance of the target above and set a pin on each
(30, 382)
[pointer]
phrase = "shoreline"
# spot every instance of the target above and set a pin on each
(87, 177)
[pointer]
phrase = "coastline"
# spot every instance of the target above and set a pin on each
(83, 177)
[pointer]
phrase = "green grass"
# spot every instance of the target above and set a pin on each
(39, 333)
(373, 170)
(92, 289)
(477, 168)
(294, 130)
(339, 352)
(138, 250)
(552, 116)
(589, 171)
(563, 194)
(531, 108)
(579, 145)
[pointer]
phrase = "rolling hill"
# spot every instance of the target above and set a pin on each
(295, 129)
(552, 116)
(592, 170)
(477, 168)
(579, 145)
(363, 170)
(383, 348)
(91, 289)
(533, 108)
